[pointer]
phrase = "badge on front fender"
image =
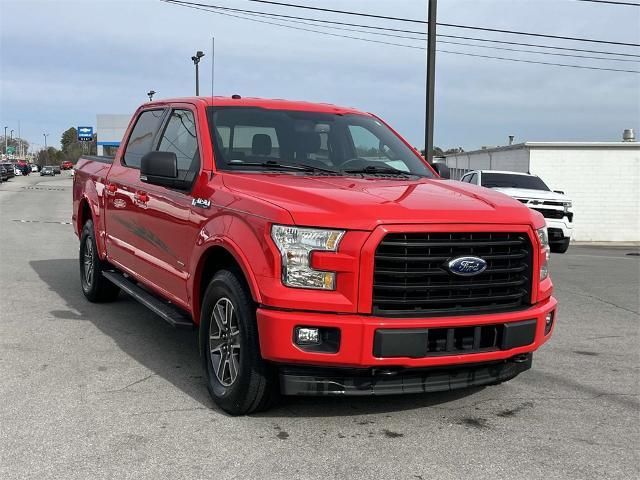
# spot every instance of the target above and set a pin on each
(201, 202)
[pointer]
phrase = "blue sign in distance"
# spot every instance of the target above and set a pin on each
(85, 134)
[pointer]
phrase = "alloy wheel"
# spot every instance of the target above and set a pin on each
(224, 342)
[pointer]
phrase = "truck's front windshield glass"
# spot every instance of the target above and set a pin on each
(258, 138)
(511, 180)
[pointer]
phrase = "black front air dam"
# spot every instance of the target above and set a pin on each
(317, 381)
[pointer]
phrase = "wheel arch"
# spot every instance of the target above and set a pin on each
(221, 256)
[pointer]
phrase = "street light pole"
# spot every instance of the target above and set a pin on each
(196, 60)
(45, 135)
(150, 94)
(5, 140)
(431, 81)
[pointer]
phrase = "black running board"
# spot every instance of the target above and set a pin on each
(165, 310)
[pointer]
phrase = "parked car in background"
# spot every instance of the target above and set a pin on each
(17, 170)
(9, 168)
(56, 169)
(34, 168)
(3, 174)
(66, 165)
(555, 206)
(48, 170)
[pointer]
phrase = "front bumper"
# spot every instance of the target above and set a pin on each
(357, 337)
(318, 381)
(563, 225)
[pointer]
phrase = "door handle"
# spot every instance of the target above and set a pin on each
(141, 197)
(111, 188)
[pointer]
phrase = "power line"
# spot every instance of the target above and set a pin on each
(240, 16)
(610, 2)
(452, 43)
(317, 20)
(452, 25)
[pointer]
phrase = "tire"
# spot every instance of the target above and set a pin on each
(229, 344)
(95, 287)
(560, 247)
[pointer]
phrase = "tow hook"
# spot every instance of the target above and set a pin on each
(523, 357)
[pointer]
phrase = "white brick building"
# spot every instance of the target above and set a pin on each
(602, 179)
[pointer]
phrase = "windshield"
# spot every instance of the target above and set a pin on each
(511, 180)
(261, 138)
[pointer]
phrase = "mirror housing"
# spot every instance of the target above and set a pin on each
(561, 192)
(161, 168)
(442, 170)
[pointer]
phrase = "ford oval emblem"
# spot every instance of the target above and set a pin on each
(467, 266)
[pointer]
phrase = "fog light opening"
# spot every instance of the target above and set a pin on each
(548, 322)
(307, 336)
(317, 339)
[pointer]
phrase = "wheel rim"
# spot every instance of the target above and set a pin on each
(224, 342)
(87, 262)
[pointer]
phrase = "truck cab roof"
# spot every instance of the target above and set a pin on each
(274, 104)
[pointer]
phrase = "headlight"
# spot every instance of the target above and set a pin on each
(295, 245)
(543, 235)
(567, 205)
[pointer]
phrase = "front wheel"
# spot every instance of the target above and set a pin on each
(560, 247)
(238, 379)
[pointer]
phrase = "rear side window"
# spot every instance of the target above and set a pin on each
(141, 140)
(474, 179)
(180, 138)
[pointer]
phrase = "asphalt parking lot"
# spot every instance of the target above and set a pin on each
(111, 391)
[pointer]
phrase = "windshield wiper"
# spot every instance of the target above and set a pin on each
(375, 170)
(300, 167)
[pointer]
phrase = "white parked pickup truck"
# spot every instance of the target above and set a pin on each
(533, 192)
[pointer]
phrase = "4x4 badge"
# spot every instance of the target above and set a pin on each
(201, 202)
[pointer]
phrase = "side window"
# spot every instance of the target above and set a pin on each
(474, 179)
(465, 178)
(141, 138)
(179, 137)
(370, 147)
(365, 142)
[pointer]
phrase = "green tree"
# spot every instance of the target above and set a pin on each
(69, 137)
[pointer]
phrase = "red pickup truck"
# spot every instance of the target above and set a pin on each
(314, 249)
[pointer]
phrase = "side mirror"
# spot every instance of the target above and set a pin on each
(442, 170)
(559, 191)
(159, 168)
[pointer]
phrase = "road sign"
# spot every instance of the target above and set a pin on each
(11, 150)
(85, 134)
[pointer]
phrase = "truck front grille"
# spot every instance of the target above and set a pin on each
(411, 278)
(551, 213)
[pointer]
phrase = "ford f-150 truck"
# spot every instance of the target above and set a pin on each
(315, 251)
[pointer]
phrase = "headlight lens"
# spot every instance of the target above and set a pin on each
(567, 206)
(543, 235)
(295, 245)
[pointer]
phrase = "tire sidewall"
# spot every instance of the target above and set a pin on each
(87, 233)
(225, 284)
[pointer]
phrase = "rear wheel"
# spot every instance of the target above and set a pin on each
(560, 247)
(238, 379)
(94, 286)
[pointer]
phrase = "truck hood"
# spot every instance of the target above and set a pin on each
(532, 194)
(362, 203)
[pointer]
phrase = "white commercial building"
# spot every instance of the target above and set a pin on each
(109, 131)
(601, 178)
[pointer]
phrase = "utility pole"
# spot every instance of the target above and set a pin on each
(5, 139)
(431, 80)
(196, 60)
(45, 135)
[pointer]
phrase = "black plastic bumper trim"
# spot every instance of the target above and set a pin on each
(315, 381)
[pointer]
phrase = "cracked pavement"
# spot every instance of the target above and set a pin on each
(111, 391)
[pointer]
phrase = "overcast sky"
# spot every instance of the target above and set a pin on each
(62, 62)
